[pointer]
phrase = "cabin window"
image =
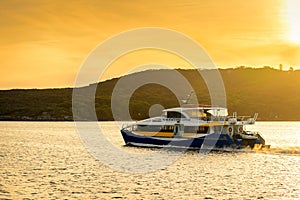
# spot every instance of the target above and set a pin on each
(164, 114)
(167, 129)
(218, 112)
(195, 113)
(202, 129)
(173, 114)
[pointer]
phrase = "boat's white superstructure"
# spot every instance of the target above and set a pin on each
(194, 122)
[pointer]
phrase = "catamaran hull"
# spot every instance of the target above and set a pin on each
(212, 140)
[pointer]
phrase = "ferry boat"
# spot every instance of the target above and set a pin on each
(193, 126)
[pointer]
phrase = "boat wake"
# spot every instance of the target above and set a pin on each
(284, 150)
(288, 150)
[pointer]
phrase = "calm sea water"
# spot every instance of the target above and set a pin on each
(47, 160)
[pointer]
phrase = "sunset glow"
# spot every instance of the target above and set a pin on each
(293, 19)
(44, 43)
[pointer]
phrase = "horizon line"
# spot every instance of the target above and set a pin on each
(108, 79)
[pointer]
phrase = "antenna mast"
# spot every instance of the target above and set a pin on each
(186, 101)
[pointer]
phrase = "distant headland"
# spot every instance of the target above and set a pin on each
(273, 93)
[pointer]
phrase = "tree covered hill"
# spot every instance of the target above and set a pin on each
(274, 94)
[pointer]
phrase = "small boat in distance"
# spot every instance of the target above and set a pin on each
(193, 126)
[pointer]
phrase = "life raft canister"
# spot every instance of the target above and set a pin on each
(230, 130)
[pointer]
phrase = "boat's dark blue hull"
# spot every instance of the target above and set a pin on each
(212, 140)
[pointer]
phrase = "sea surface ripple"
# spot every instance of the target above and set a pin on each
(46, 160)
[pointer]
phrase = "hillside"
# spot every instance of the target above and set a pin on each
(274, 94)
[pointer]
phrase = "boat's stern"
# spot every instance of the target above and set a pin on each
(243, 138)
(235, 127)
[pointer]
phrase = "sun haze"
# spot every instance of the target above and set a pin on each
(43, 43)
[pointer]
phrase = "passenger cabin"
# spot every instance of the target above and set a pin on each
(191, 115)
(200, 113)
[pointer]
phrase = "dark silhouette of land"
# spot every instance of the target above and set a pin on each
(274, 94)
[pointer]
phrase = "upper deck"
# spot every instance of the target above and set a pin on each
(195, 112)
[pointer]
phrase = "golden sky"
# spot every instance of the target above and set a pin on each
(43, 43)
